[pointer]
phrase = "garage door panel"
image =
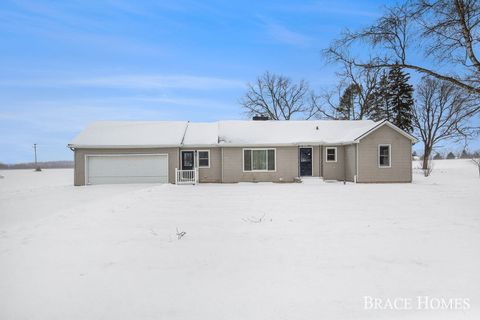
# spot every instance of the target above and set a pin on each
(127, 169)
(118, 180)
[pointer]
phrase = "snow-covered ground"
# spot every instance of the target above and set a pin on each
(251, 251)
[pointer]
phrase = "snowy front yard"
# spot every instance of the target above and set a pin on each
(251, 251)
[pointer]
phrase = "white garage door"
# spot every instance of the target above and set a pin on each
(101, 169)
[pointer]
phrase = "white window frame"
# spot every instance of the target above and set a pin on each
(198, 155)
(326, 154)
(251, 149)
(389, 155)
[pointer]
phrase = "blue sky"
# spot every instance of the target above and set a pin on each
(67, 63)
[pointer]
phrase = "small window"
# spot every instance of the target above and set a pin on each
(384, 156)
(204, 159)
(259, 160)
(331, 154)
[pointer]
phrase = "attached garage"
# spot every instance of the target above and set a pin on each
(126, 168)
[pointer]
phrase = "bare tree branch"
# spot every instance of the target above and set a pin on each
(442, 112)
(278, 98)
(445, 30)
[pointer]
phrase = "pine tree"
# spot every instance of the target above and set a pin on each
(400, 98)
(465, 154)
(437, 156)
(346, 106)
(380, 108)
(450, 155)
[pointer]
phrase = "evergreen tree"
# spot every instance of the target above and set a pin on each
(393, 99)
(400, 98)
(450, 155)
(465, 154)
(437, 156)
(346, 106)
(380, 108)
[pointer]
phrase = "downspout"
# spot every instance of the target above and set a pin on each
(344, 165)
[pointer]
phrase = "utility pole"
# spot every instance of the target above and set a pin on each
(37, 168)
(35, 149)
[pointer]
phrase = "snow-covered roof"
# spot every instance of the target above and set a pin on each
(291, 132)
(131, 134)
(223, 133)
(201, 133)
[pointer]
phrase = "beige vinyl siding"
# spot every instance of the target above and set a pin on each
(350, 162)
(333, 170)
(401, 159)
(316, 161)
(212, 174)
(79, 169)
(286, 166)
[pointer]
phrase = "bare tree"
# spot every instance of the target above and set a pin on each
(447, 32)
(278, 98)
(363, 80)
(442, 112)
(476, 161)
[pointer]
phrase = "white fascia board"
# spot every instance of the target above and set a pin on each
(137, 146)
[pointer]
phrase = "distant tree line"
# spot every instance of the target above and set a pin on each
(43, 165)
(464, 154)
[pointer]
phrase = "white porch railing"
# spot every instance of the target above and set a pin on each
(186, 176)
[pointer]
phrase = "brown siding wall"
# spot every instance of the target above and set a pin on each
(350, 161)
(401, 159)
(214, 173)
(79, 176)
(334, 170)
(286, 166)
(316, 161)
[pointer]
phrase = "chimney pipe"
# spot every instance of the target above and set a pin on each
(260, 118)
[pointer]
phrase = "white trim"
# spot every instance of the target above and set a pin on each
(389, 155)
(299, 162)
(391, 125)
(198, 156)
(266, 149)
(326, 154)
(122, 155)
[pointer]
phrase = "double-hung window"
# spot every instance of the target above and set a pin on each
(258, 159)
(384, 155)
(204, 158)
(331, 154)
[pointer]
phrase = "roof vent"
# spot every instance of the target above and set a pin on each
(260, 118)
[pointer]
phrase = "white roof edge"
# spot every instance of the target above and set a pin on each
(236, 145)
(200, 146)
(391, 125)
(136, 146)
(317, 143)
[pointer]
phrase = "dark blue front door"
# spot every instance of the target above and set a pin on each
(305, 162)
(187, 160)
